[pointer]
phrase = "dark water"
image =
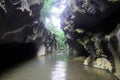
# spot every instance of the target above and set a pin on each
(55, 67)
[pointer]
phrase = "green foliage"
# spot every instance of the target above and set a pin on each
(46, 12)
(46, 9)
(60, 37)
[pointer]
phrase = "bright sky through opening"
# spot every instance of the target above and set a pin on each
(56, 11)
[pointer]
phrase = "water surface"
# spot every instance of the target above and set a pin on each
(55, 67)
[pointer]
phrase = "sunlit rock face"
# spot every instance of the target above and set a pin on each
(21, 30)
(92, 25)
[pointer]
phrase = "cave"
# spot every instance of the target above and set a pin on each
(83, 35)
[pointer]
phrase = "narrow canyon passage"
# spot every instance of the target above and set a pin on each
(32, 30)
(55, 67)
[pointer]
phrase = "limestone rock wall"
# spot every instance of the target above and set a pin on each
(91, 30)
(22, 32)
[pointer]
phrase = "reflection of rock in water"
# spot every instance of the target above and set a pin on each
(87, 24)
(41, 51)
(80, 59)
(99, 72)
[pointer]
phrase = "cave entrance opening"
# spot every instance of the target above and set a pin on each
(51, 16)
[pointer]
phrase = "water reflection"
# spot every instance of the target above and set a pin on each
(55, 67)
(59, 71)
(42, 59)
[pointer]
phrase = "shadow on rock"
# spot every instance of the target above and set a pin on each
(12, 54)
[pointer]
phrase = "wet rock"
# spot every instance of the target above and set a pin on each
(102, 63)
(114, 47)
(51, 43)
(42, 51)
(94, 16)
(22, 33)
(76, 49)
(92, 25)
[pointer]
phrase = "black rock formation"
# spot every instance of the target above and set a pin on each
(21, 30)
(91, 29)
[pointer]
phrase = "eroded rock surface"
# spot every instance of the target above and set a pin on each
(22, 33)
(91, 29)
